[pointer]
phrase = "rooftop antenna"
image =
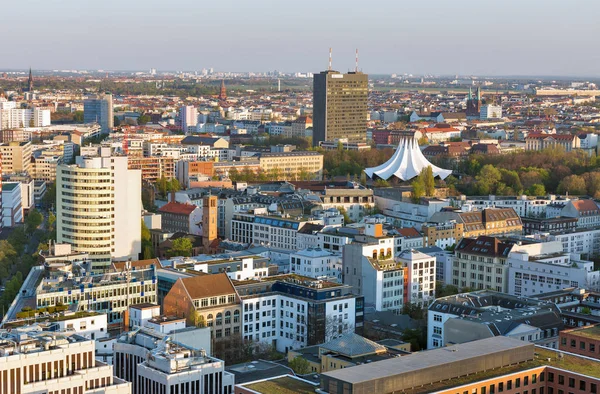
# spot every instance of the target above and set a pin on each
(329, 59)
(356, 65)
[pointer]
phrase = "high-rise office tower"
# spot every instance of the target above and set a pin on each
(99, 110)
(98, 207)
(340, 106)
(189, 118)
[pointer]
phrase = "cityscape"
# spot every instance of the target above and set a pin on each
(246, 221)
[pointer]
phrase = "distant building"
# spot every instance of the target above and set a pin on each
(188, 116)
(340, 106)
(474, 105)
(584, 341)
(16, 157)
(490, 111)
(99, 110)
(541, 141)
(12, 208)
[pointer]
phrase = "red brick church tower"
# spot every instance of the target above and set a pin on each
(223, 92)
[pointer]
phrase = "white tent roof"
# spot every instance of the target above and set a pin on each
(406, 163)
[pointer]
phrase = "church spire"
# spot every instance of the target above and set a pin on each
(478, 93)
(30, 81)
(470, 96)
(223, 92)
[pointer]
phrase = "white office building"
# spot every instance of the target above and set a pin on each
(490, 111)
(98, 208)
(544, 267)
(317, 263)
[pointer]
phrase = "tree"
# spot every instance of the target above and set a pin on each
(181, 247)
(162, 186)
(573, 184)
(428, 181)
(49, 198)
(300, 366)
(416, 337)
(147, 249)
(143, 119)
(78, 116)
(418, 189)
(536, 189)
(33, 221)
(414, 311)
(381, 183)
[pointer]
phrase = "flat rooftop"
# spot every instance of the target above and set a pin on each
(282, 385)
(581, 365)
(428, 359)
(588, 331)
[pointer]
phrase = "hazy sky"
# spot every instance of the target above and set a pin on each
(502, 37)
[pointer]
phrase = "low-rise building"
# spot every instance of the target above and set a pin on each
(543, 267)
(317, 263)
(12, 208)
(584, 341)
(483, 314)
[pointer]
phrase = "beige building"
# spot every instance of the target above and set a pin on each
(16, 157)
(541, 141)
(44, 167)
(446, 228)
(293, 165)
(480, 263)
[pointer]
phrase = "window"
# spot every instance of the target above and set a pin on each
(219, 319)
(525, 380)
(517, 382)
(437, 318)
(582, 385)
(509, 385)
(227, 317)
(236, 316)
(571, 382)
(437, 330)
(561, 379)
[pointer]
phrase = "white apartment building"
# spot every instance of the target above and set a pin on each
(523, 205)
(271, 231)
(317, 263)
(370, 268)
(12, 208)
(292, 312)
(490, 111)
(188, 116)
(36, 361)
(585, 241)
(98, 208)
(15, 118)
(140, 314)
(544, 267)
(421, 276)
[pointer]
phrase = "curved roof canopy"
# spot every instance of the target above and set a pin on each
(406, 163)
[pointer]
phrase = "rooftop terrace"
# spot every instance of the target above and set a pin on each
(282, 385)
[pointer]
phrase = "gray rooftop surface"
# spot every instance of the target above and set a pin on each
(431, 358)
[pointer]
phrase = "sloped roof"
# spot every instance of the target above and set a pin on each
(208, 286)
(586, 206)
(177, 208)
(352, 345)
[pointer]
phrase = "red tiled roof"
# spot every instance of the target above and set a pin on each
(409, 232)
(178, 208)
(585, 205)
(439, 129)
(564, 137)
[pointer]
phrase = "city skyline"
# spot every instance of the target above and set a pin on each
(437, 38)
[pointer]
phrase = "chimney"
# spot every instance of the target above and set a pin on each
(173, 196)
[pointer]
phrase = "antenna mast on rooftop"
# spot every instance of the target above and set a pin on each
(329, 59)
(356, 65)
